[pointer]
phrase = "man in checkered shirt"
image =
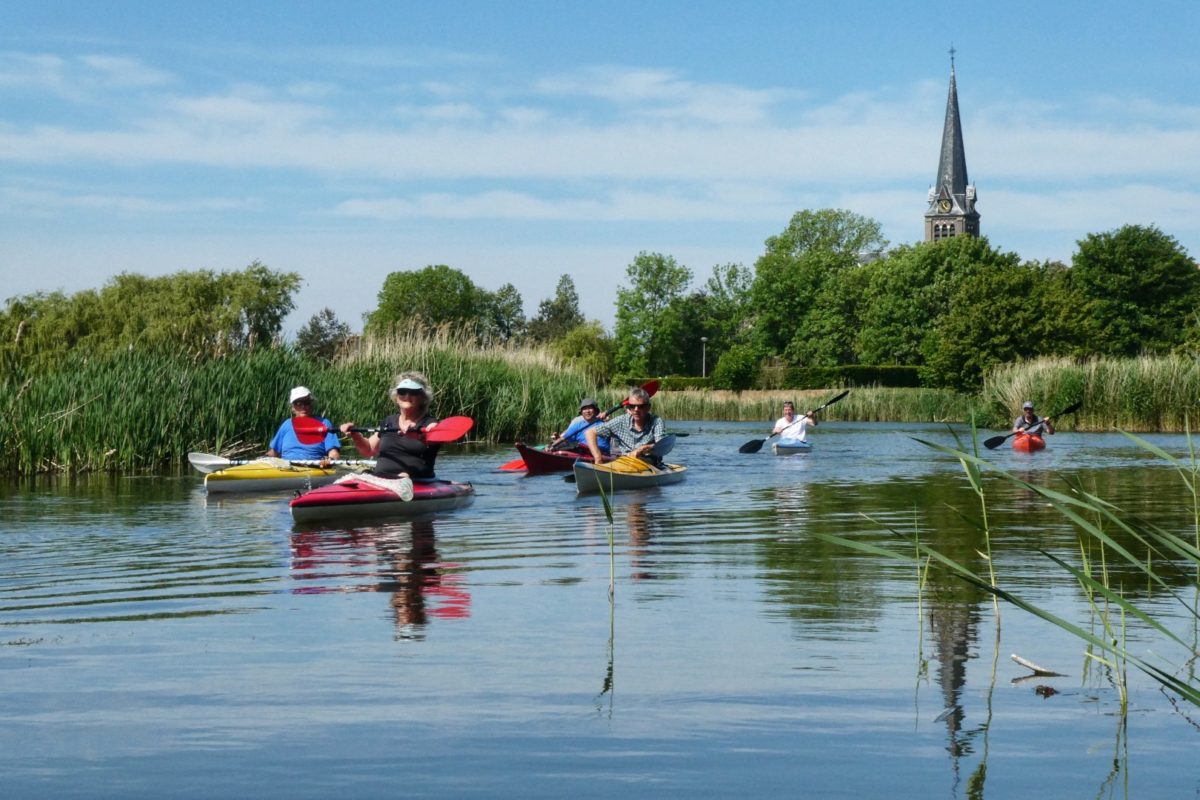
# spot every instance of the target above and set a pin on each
(633, 433)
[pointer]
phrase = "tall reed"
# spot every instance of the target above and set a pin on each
(870, 404)
(137, 410)
(1149, 393)
(1093, 518)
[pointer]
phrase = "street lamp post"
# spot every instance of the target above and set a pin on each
(703, 356)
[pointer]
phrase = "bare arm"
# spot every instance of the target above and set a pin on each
(593, 447)
(366, 447)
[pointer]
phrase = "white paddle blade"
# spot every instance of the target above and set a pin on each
(206, 463)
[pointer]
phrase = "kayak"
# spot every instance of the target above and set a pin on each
(1028, 443)
(626, 472)
(269, 475)
(356, 496)
(542, 461)
(789, 447)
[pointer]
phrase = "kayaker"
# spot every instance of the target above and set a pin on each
(791, 427)
(287, 445)
(398, 448)
(633, 433)
(1028, 419)
(573, 437)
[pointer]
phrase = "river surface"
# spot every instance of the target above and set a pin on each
(155, 642)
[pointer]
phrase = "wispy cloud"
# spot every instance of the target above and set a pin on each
(49, 201)
(663, 94)
(75, 77)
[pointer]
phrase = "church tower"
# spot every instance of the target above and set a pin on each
(951, 210)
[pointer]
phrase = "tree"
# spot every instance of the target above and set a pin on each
(436, 295)
(829, 230)
(502, 314)
(1141, 289)
(590, 348)
(1003, 312)
(907, 294)
(557, 315)
(825, 335)
(204, 312)
(719, 312)
(439, 295)
(322, 335)
(736, 368)
(791, 275)
(651, 322)
(784, 293)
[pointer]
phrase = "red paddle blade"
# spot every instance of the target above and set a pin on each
(309, 430)
(449, 430)
(651, 387)
(516, 465)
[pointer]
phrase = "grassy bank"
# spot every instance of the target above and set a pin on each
(137, 410)
(1131, 394)
(865, 405)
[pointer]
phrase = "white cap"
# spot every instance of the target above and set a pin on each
(409, 383)
(299, 393)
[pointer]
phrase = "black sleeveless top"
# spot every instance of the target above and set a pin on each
(405, 452)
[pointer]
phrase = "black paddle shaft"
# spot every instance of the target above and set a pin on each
(996, 441)
(755, 445)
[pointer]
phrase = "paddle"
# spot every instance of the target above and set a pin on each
(310, 430)
(518, 464)
(755, 445)
(207, 463)
(996, 441)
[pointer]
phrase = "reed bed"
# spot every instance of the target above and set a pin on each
(870, 404)
(140, 410)
(1149, 393)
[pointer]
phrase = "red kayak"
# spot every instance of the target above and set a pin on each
(1028, 442)
(357, 497)
(539, 462)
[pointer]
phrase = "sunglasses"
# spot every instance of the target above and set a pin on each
(637, 405)
(408, 392)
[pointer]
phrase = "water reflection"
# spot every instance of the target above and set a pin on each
(400, 559)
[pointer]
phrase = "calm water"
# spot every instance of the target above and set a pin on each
(153, 641)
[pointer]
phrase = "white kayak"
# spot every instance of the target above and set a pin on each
(790, 447)
(626, 472)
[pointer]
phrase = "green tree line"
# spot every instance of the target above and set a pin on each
(827, 291)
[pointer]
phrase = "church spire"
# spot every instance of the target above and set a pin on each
(951, 210)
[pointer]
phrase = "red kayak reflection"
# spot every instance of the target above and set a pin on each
(399, 558)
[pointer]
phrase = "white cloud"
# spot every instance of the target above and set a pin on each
(77, 78)
(662, 94)
(121, 72)
(610, 206)
(44, 202)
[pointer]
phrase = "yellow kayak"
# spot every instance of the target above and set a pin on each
(269, 475)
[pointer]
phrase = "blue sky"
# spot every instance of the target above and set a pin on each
(521, 141)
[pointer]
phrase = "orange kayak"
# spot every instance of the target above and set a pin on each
(1028, 443)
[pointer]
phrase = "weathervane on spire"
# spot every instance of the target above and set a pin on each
(952, 52)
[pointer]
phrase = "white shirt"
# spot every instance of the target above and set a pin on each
(795, 429)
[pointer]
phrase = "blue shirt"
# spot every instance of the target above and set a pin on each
(288, 446)
(574, 433)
